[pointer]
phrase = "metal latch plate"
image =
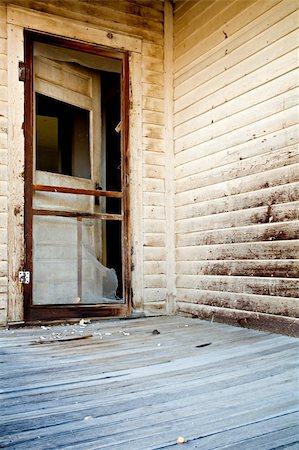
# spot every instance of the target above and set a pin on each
(24, 277)
(22, 71)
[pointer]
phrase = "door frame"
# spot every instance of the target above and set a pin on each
(54, 312)
(20, 19)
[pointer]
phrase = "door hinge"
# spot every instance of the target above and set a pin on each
(22, 71)
(24, 277)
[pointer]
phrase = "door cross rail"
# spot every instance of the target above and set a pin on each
(77, 191)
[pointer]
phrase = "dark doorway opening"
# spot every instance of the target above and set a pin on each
(111, 107)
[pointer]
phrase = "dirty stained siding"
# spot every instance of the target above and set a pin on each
(3, 166)
(236, 161)
(144, 20)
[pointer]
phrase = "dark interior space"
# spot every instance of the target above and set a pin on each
(62, 138)
(111, 107)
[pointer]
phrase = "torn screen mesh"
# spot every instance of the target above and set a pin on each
(69, 256)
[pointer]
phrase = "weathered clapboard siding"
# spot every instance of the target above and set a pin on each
(261, 215)
(3, 166)
(241, 301)
(287, 287)
(236, 158)
(223, 128)
(254, 267)
(262, 14)
(143, 20)
(275, 194)
(276, 18)
(154, 230)
(127, 17)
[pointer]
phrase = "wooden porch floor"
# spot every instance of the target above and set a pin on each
(125, 387)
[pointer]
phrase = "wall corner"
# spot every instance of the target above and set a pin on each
(169, 158)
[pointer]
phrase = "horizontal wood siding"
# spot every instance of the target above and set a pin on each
(154, 230)
(143, 20)
(3, 166)
(236, 158)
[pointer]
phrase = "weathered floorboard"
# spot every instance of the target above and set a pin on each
(125, 387)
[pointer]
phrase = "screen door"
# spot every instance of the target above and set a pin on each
(76, 192)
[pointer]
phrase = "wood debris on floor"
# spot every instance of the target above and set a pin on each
(154, 383)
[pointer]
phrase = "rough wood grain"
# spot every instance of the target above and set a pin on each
(281, 306)
(133, 26)
(126, 387)
(249, 319)
(236, 158)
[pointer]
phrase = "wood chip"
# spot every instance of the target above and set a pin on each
(155, 332)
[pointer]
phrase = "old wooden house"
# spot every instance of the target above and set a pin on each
(149, 160)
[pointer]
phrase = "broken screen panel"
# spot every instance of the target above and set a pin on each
(71, 262)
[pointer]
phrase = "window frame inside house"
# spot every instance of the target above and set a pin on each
(63, 165)
(60, 127)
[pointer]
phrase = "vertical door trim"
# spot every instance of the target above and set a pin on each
(15, 225)
(28, 168)
(126, 229)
